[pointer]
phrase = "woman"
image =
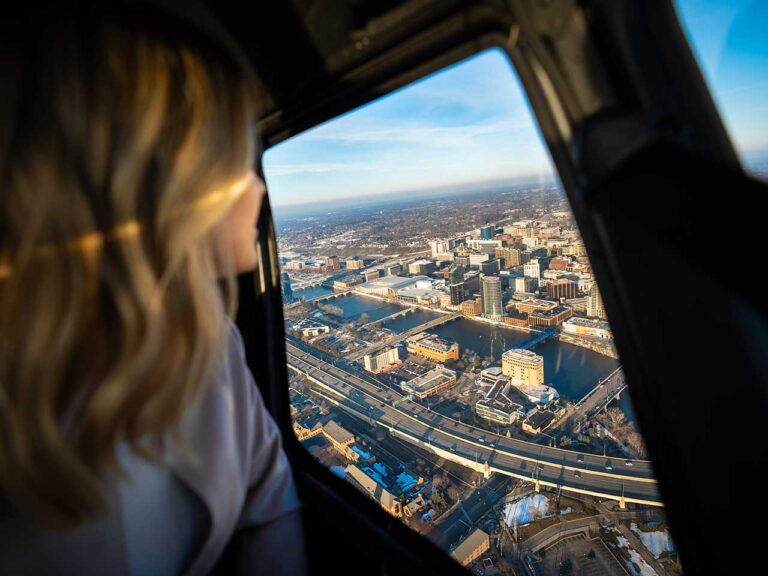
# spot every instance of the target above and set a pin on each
(132, 437)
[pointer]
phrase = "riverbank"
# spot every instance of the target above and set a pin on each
(601, 347)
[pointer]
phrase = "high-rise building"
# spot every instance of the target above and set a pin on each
(525, 284)
(532, 269)
(422, 266)
(456, 284)
(562, 288)
(523, 367)
(490, 267)
(490, 296)
(381, 360)
(456, 274)
(595, 307)
(487, 232)
(510, 257)
(287, 291)
(439, 247)
(463, 261)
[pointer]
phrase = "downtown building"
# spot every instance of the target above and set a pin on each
(496, 406)
(595, 307)
(562, 288)
(432, 346)
(525, 371)
(533, 270)
(471, 307)
(487, 232)
(430, 383)
(382, 361)
(490, 297)
(422, 266)
(588, 327)
(523, 367)
(510, 256)
(549, 318)
(456, 285)
(525, 285)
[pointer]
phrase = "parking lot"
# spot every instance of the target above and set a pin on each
(576, 548)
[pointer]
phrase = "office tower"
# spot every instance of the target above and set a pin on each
(490, 295)
(456, 284)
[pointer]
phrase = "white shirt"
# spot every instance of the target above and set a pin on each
(160, 519)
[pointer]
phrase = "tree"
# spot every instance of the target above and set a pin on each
(615, 415)
(636, 444)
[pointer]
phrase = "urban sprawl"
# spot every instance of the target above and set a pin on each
(478, 451)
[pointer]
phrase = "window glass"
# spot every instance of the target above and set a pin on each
(448, 350)
(731, 44)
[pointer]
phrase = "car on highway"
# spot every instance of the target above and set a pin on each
(628, 462)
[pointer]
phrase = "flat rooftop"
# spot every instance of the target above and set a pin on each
(432, 379)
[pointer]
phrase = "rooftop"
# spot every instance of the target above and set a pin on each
(521, 354)
(338, 433)
(431, 379)
(540, 419)
(392, 282)
(469, 545)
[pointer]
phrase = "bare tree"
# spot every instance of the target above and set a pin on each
(615, 415)
(636, 444)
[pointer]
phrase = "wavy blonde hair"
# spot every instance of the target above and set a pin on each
(127, 141)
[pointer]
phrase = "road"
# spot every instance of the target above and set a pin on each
(578, 472)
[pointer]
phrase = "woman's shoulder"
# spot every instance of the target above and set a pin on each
(234, 462)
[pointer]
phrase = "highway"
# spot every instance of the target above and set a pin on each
(571, 471)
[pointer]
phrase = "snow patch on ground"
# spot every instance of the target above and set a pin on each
(657, 542)
(405, 481)
(375, 475)
(526, 510)
(568, 510)
(637, 560)
(363, 454)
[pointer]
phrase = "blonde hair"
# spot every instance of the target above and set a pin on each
(131, 142)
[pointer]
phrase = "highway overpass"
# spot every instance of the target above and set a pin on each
(484, 451)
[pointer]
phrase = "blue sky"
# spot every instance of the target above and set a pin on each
(465, 124)
(471, 122)
(730, 40)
